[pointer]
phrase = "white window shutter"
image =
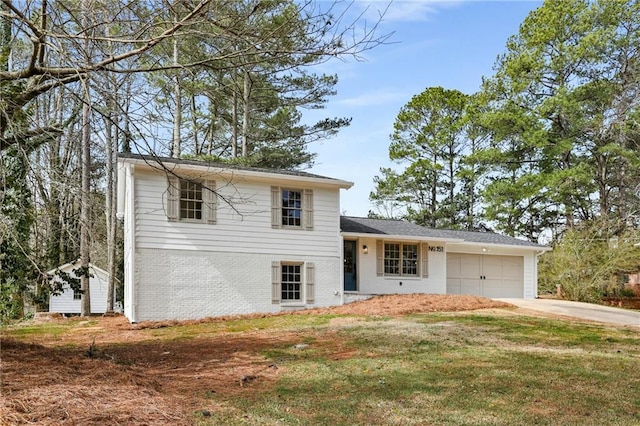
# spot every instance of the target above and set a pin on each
(276, 279)
(425, 260)
(307, 207)
(310, 281)
(276, 207)
(379, 258)
(173, 198)
(210, 200)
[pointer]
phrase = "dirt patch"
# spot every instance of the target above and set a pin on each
(623, 302)
(387, 305)
(108, 371)
(397, 304)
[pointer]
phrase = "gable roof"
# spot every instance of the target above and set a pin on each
(394, 227)
(168, 164)
(76, 263)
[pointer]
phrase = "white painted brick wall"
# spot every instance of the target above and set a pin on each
(180, 284)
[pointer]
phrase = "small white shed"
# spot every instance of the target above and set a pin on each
(68, 302)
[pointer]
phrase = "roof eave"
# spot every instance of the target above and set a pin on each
(75, 262)
(230, 172)
(510, 246)
(399, 237)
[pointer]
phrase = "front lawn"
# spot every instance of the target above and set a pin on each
(494, 366)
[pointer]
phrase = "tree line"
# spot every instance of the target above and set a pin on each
(82, 80)
(550, 145)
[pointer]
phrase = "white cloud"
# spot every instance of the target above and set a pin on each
(405, 10)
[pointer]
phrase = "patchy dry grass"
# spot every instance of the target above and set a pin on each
(492, 366)
(444, 369)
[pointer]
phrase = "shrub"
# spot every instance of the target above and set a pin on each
(585, 262)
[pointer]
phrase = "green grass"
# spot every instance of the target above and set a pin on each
(281, 322)
(464, 368)
(49, 331)
(454, 369)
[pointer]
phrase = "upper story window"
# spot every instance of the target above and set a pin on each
(191, 200)
(291, 208)
(402, 259)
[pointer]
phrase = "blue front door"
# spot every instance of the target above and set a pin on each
(349, 255)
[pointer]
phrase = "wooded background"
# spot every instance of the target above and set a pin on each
(547, 150)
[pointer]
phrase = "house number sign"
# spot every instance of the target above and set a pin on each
(436, 248)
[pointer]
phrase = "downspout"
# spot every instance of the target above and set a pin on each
(340, 290)
(130, 228)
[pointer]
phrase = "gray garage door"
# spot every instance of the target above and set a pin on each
(485, 275)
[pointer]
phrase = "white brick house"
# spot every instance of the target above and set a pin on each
(204, 239)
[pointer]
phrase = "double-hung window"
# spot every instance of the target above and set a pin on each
(292, 283)
(291, 208)
(402, 259)
(191, 200)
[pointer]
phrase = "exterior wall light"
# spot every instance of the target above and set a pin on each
(365, 249)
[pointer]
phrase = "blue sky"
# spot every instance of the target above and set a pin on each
(452, 44)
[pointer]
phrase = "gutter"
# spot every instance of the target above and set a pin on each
(539, 249)
(230, 172)
(389, 237)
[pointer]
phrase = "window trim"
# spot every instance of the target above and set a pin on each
(208, 195)
(198, 187)
(284, 217)
(306, 210)
(299, 283)
(307, 283)
(422, 260)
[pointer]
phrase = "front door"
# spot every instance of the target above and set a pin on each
(349, 255)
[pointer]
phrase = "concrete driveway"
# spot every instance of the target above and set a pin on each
(586, 311)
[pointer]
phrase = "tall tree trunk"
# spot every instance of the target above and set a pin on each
(5, 38)
(434, 193)
(126, 138)
(245, 113)
(194, 125)
(452, 193)
(110, 213)
(177, 94)
(85, 202)
(112, 132)
(234, 125)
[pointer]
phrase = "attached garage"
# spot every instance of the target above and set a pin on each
(444, 261)
(485, 275)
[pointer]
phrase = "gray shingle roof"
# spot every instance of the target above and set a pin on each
(202, 163)
(361, 225)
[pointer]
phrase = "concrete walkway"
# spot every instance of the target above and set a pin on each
(586, 311)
